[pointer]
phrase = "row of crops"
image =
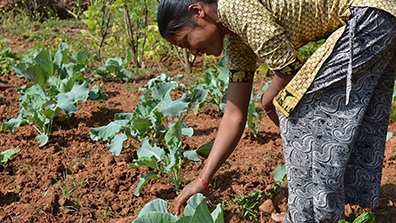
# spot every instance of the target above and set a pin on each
(58, 84)
(61, 79)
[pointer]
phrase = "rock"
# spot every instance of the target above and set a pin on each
(267, 207)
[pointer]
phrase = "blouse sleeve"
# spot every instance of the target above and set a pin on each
(258, 30)
(241, 60)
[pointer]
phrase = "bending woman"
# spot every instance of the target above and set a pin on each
(332, 110)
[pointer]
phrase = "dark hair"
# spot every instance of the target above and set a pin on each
(174, 14)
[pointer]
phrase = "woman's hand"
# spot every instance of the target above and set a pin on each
(192, 188)
(269, 108)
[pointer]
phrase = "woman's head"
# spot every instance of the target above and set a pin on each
(192, 24)
(175, 14)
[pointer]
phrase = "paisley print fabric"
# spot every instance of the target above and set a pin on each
(333, 150)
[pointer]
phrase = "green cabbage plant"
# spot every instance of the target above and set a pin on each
(196, 211)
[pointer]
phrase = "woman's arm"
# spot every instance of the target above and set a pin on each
(279, 81)
(231, 127)
(230, 131)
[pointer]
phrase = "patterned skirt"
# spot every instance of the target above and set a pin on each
(334, 145)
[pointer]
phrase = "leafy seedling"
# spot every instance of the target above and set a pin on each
(366, 217)
(7, 154)
(195, 211)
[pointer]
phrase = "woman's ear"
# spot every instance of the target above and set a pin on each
(196, 10)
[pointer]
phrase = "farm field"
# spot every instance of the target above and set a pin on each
(74, 178)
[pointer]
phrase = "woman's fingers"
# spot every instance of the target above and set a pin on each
(274, 117)
(177, 205)
(179, 201)
(191, 189)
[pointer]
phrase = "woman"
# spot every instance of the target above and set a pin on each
(332, 110)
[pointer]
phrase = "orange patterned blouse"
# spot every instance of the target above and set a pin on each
(273, 30)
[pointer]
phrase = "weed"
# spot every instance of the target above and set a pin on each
(366, 217)
(249, 204)
(106, 212)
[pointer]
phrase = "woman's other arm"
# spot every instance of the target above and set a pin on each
(279, 81)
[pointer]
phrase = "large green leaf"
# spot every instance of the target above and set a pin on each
(253, 117)
(32, 72)
(191, 155)
(155, 217)
(162, 91)
(194, 203)
(148, 151)
(187, 131)
(160, 79)
(218, 214)
(39, 120)
(61, 56)
(145, 108)
(13, 123)
(199, 94)
(157, 205)
(125, 75)
(142, 126)
(124, 116)
(51, 111)
(146, 161)
(54, 84)
(108, 131)
(196, 211)
(155, 212)
(113, 65)
(198, 97)
(168, 107)
(42, 140)
(142, 181)
(44, 60)
(37, 69)
(83, 56)
(224, 72)
(33, 98)
(172, 157)
(32, 103)
(174, 135)
(71, 73)
(205, 148)
(96, 92)
(116, 144)
(68, 101)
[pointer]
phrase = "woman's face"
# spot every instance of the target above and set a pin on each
(204, 37)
